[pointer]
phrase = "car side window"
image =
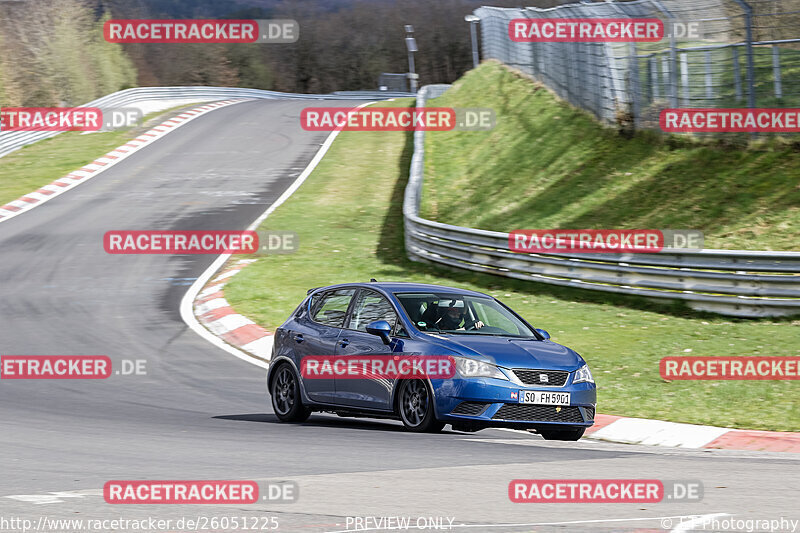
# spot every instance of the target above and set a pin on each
(332, 307)
(369, 307)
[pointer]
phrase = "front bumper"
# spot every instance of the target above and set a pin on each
(489, 402)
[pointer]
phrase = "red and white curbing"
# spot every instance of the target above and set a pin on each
(215, 313)
(672, 434)
(75, 178)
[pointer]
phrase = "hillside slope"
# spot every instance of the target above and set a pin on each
(547, 165)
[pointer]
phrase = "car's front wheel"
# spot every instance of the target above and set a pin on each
(285, 392)
(415, 406)
(562, 434)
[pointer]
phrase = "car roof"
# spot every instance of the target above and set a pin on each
(401, 286)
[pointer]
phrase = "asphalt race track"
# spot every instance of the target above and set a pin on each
(201, 413)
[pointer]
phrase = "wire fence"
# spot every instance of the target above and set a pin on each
(717, 54)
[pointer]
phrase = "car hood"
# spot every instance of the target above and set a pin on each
(513, 353)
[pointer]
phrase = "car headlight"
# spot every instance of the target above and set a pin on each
(583, 375)
(471, 368)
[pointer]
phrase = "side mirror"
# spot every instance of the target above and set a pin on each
(382, 329)
(543, 333)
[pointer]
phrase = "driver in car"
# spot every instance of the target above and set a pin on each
(453, 316)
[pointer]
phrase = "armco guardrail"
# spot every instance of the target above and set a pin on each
(158, 98)
(728, 282)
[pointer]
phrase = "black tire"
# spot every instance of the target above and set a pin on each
(415, 407)
(562, 434)
(285, 392)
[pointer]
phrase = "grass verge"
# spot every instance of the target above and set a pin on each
(43, 162)
(348, 215)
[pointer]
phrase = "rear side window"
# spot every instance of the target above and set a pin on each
(331, 308)
(369, 307)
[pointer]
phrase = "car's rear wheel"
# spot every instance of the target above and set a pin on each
(285, 392)
(562, 434)
(415, 406)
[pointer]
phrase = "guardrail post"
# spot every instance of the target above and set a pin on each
(751, 77)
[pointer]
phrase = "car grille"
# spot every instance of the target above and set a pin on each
(589, 413)
(470, 408)
(555, 378)
(543, 413)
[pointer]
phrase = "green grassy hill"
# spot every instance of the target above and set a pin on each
(547, 165)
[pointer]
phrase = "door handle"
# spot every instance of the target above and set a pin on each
(298, 337)
(343, 343)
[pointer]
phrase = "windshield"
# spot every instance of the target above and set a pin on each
(461, 314)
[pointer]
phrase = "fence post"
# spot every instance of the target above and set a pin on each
(748, 22)
(776, 71)
(673, 55)
(673, 71)
(634, 70)
(654, 75)
(709, 78)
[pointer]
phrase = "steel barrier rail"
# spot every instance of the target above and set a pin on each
(13, 140)
(729, 282)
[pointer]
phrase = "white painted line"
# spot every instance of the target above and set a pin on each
(228, 323)
(658, 433)
(210, 305)
(691, 525)
(36, 196)
(211, 289)
(188, 299)
(226, 275)
(55, 497)
(261, 347)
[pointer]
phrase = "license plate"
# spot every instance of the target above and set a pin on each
(544, 398)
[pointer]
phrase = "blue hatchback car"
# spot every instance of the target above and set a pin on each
(507, 374)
